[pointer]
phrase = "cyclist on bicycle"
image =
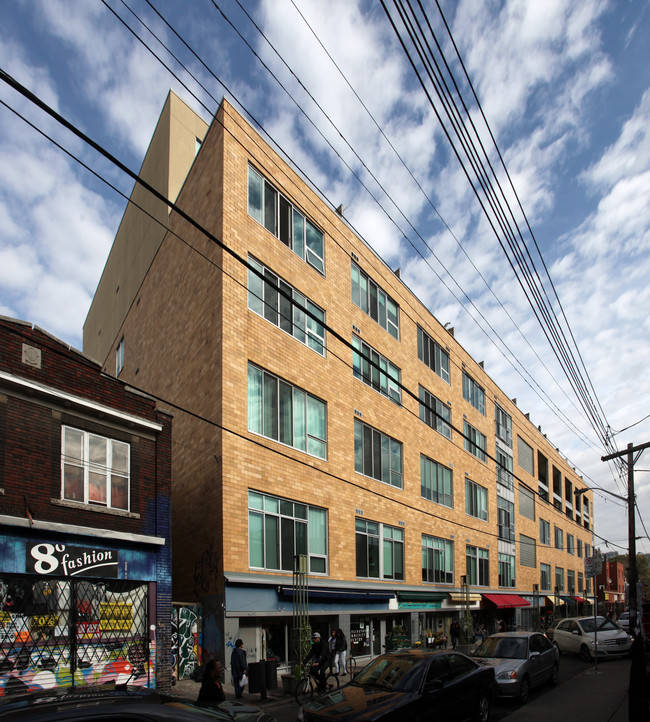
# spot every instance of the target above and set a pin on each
(320, 654)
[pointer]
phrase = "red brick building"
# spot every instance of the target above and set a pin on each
(610, 584)
(85, 515)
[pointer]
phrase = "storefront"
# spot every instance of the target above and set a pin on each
(74, 611)
(500, 611)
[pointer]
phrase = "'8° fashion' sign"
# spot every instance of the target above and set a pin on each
(66, 561)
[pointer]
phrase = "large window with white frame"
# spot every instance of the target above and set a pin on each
(476, 500)
(379, 550)
(374, 301)
(559, 538)
(95, 469)
(436, 482)
(478, 566)
(545, 577)
(559, 579)
(474, 393)
(437, 560)
(285, 413)
(475, 441)
(280, 304)
(279, 529)
(544, 531)
(503, 425)
(432, 354)
(279, 216)
(434, 413)
(504, 468)
(506, 519)
(377, 455)
(506, 570)
(375, 370)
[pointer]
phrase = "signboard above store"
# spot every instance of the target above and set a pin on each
(66, 561)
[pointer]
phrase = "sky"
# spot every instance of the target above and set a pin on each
(565, 89)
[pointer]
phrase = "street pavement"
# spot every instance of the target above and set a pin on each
(588, 695)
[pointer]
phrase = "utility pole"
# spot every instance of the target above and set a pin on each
(631, 526)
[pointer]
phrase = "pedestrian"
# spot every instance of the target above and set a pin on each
(320, 655)
(341, 651)
(211, 692)
(454, 633)
(501, 625)
(238, 667)
(331, 644)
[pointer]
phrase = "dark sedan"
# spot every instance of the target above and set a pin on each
(413, 685)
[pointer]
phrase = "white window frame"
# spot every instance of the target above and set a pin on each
(433, 355)
(363, 290)
(475, 442)
(435, 413)
(437, 560)
(390, 542)
(386, 379)
(474, 393)
(390, 450)
(476, 500)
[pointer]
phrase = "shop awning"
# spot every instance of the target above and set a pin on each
(552, 602)
(459, 598)
(581, 600)
(335, 594)
(506, 601)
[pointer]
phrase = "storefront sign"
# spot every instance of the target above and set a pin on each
(67, 561)
(420, 605)
(115, 616)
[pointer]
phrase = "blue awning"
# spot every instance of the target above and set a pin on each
(334, 594)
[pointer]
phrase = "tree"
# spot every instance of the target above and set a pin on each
(642, 566)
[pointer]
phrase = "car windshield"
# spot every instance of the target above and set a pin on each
(602, 624)
(503, 647)
(399, 673)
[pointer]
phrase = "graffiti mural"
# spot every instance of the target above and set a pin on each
(185, 641)
(62, 632)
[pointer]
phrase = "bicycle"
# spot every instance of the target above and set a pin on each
(307, 687)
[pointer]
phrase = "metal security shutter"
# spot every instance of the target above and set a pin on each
(527, 552)
(525, 456)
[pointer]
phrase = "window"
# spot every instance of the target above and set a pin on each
(475, 442)
(437, 560)
(526, 502)
(542, 476)
(278, 529)
(436, 482)
(506, 519)
(587, 550)
(571, 581)
(559, 538)
(94, 469)
(503, 425)
(544, 532)
(280, 303)
(559, 579)
(279, 216)
(504, 469)
(374, 301)
(377, 455)
(579, 548)
(476, 500)
(473, 393)
(375, 370)
(557, 488)
(434, 413)
(380, 550)
(545, 577)
(506, 570)
(581, 582)
(569, 544)
(585, 513)
(286, 413)
(525, 456)
(119, 357)
(478, 566)
(587, 586)
(433, 355)
(527, 551)
(568, 498)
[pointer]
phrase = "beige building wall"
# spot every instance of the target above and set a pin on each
(190, 336)
(168, 159)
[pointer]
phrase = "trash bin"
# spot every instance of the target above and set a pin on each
(255, 677)
(271, 674)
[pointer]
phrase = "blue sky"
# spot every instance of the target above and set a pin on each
(565, 87)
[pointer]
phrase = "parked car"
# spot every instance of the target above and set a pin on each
(92, 703)
(587, 636)
(550, 630)
(624, 621)
(521, 661)
(410, 684)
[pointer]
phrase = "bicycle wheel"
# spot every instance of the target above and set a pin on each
(351, 666)
(331, 682)
(304, 690)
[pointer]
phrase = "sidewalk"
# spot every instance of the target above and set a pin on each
(189, 689)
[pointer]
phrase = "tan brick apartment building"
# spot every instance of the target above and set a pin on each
(383, 474)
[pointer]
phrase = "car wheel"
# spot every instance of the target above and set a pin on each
(555, 675)
(524, 691)
(585, 654)
(482, 709)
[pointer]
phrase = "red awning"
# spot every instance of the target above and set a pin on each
(506, 601)
(580, 600)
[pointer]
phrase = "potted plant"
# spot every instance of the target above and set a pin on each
(289, 681)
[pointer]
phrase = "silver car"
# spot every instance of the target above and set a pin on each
(521, 661)
(587, 637)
